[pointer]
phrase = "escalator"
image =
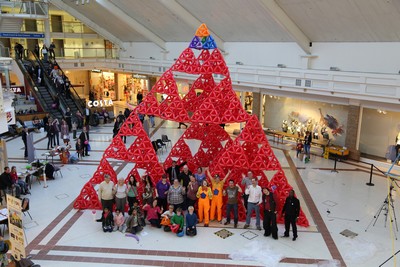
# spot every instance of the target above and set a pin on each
(73, 101)
(39, 90)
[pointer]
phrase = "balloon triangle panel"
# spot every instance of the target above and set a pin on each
(196, 43)
(87, 199)
(202, 31)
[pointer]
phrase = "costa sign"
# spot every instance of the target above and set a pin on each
(100, 103)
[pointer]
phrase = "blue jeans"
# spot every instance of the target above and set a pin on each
(229, 207)
(307, 149)
(250, 207)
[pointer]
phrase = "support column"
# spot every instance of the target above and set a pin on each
(257, 103)
(47, 39)
(353, 131)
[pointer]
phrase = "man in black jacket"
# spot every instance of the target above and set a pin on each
(269, 208)
(291, 211)
(24, 139)
(84, 136)
(184, 176)
(174, 171)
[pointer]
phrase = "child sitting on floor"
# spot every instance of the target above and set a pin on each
(177, 222)
(152, 213)
(166, 218)
(107, 220)
(119, 220)
(132, 223)
(191, 220)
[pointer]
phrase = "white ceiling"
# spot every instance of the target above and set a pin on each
(248, 20)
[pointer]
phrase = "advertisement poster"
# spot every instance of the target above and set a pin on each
(17, 236)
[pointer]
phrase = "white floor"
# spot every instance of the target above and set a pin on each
(341, 199)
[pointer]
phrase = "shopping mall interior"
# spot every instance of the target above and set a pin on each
(230, 86)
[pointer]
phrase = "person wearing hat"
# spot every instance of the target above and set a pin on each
(269, 204)
(217, 189)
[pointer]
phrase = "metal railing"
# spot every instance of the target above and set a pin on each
(111, 53)
(66, 27)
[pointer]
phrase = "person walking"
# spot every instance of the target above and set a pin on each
(255, 199)
(307, 145)
(269, 209)
(45, 53)
(291, 212)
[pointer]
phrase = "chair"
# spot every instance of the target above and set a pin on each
(57, 169)
(25, 207)
(161, 144)
(165, 140)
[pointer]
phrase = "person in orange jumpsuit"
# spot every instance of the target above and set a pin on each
(217, 190)
(204, 195)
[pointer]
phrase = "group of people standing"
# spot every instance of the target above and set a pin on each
(186, 191)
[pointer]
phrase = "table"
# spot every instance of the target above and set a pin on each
(28, 173)
(275, 135)
(50, 154)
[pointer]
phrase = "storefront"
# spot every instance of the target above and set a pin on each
(102, 85)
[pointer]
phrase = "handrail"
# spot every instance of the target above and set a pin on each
(50, 84)
(32, 84)
(79, 102)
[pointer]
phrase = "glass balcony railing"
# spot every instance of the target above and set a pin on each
(67, 27)
(32, 8)
(70, 53)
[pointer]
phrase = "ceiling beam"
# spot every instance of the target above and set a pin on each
(91, 24)
(134, 24)
(287, 24)
(189, 19)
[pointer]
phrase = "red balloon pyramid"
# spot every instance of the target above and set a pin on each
(207, 105)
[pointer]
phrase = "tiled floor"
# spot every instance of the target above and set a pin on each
(61, 236)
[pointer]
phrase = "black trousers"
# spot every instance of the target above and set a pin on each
(26, 149)
(269, 224)
(162, 203)
(107, 203)
(290, 220)
(245, 199)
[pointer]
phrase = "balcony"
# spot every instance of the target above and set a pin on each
(24, 9)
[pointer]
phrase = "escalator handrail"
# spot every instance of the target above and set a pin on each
(32, 83)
